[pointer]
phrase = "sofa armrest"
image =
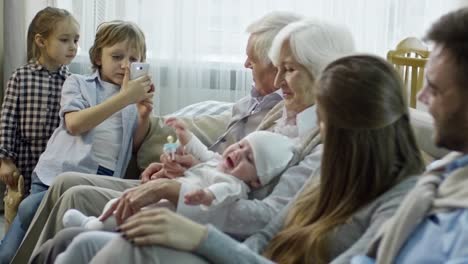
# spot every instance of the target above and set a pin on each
(423, 126)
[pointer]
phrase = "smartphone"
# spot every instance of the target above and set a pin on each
(138, 69)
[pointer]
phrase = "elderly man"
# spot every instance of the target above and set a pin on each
(89, 193)
(431, 225)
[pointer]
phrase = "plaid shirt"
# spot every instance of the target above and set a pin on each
(30, 113)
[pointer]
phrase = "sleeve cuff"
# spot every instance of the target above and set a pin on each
(231, 251)
(209, 246)
(4, 153)
(198, 150)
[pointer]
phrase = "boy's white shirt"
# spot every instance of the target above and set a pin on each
(108, 134)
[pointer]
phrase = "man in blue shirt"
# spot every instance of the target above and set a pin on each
(431, 225)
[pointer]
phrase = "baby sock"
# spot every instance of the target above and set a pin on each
(75, 218)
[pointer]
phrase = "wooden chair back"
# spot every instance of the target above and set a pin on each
(409, 59)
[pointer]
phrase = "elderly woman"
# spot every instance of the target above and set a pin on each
(369, 155)
(311, 45)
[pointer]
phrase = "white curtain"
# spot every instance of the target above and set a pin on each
(196, 48)
(17, 14)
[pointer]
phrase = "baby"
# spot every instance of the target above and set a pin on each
(219, 180)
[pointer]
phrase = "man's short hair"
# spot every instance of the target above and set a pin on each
(451, 32)
(265, 30)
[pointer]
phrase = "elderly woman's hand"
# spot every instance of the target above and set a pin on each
(160, 226)
(138, 197)
(177, 167)
(153, 171)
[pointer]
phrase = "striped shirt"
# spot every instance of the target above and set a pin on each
(30, 113)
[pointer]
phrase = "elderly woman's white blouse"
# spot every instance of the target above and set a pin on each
(297, 127)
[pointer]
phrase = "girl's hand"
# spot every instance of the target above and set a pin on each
(160, 226)
(138, 90)
(7, 172)
(183, 134)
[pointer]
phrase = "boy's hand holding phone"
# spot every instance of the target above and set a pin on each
(138, 90)
(139, 69)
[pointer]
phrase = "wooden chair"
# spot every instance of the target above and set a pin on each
(409, 58)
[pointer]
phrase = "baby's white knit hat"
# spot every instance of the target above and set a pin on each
(271, 152)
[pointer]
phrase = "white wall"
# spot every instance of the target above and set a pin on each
(2, 186)
(1, 50)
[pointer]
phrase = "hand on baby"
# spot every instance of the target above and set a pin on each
(199, 197)
(143, 195)
(176, 167)
(168, 168)
(154, 171)
(158, 170)
(160, 226)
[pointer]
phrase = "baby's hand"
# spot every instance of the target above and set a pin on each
(183, 134)
(198, 197)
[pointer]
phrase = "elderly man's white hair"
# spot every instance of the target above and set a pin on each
(266, 28)
(314, 44)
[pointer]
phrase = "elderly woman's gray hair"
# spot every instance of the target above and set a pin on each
(314, 44)
(266, 28)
